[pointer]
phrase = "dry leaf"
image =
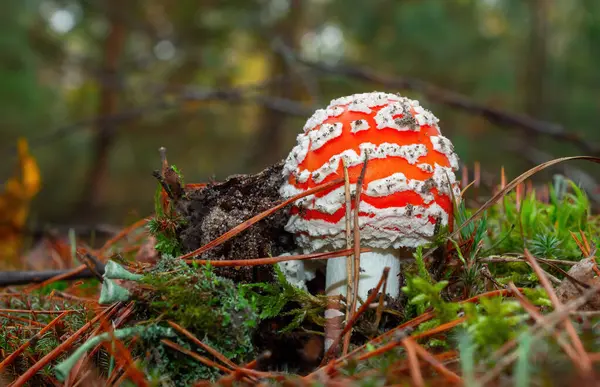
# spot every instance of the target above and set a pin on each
(14, 205)
(147, 253)
(584, 272)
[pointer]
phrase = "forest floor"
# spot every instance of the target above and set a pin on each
(193, 295)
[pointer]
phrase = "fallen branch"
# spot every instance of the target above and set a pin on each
(459, 101)
(14, 278)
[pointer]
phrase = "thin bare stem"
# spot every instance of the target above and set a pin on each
(356, 230)
(349, 269)
(380, 305)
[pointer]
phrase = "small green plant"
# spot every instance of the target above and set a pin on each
(280, 298)
(424, 295)
(494, 321)
(163, 226)
(543, 228)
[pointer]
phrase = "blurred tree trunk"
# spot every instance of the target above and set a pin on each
(106, 130)
(268, 143)
(537, 58)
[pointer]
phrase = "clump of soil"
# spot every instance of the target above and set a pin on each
(214, 210)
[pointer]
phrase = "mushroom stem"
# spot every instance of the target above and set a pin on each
(371, 268)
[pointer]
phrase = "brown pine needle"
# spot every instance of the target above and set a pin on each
(31, 311)
(509, 259)
(583, 249)
(204, 360)
(435, 363)
(205, 347)
(122, 354)
(407, 325)
(538, 317)
(59, 277)
(413, 362)
(64, 346)
(502, 360)
(584, 360)
(10, 358)
(227, 380)
(126, 231)
(271, 260)
(586, 243)
(363, 308)
(396, 343)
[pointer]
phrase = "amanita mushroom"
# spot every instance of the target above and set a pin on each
(407, 188)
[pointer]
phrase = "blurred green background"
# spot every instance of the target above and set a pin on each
(98, 86)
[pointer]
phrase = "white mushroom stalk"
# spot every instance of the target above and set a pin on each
(371, 270)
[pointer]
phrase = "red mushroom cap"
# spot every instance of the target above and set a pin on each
(408, 182)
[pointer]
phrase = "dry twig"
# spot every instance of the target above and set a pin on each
(349, 262)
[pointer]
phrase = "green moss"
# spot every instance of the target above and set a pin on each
(14, 334)
(211, 307)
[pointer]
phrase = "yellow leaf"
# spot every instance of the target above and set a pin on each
(29, 170)
(14, 205)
